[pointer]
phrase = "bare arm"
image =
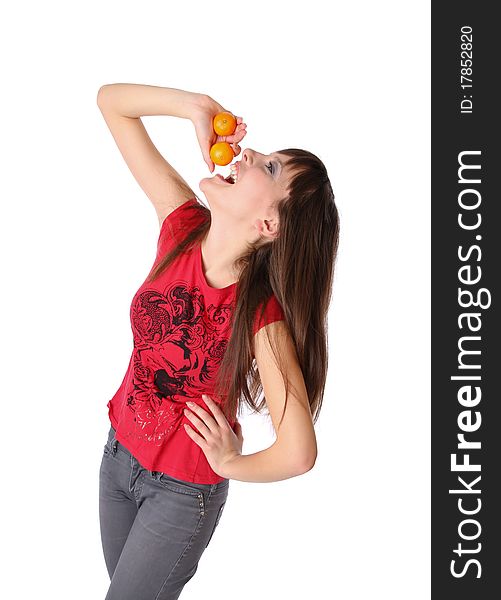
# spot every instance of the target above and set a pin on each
(121, 105)
(136, 100)
(295, 450)
(266, 466)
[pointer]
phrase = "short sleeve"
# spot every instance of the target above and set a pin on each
(177, 225)
(273, 312)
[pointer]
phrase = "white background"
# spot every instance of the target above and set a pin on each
(78, 236)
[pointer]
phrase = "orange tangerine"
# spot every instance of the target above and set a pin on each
(224, 123)
(221, 153)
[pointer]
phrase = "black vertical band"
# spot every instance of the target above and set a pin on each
(466, 269)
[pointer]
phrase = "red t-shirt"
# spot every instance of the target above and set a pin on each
(180, 327)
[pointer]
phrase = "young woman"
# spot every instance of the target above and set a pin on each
(234, 305)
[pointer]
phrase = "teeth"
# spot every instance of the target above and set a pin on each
(233, 172)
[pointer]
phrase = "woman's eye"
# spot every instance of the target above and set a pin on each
(270, 166)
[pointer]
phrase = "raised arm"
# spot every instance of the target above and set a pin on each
(122, 105)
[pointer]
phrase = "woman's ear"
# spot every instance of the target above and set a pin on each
(267, 228)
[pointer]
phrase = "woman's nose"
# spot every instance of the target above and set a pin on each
(246, 155)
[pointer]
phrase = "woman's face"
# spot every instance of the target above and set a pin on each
(262, 179)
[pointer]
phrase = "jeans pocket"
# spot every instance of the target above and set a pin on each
(218, 517)
(180, 487)
(177, 485)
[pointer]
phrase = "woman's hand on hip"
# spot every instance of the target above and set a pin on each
(202, 119)
(216, 438)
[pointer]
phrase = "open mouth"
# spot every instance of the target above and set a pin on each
(226, 180)
(232, 178)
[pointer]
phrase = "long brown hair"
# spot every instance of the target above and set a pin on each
(298, 267)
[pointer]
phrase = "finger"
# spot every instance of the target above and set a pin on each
(206, 420)
(236, 149)
(234, 137)
(198, 439)
(209, 163)
(206, 155)
(241, 129)
(216, 411)
(198, 423)
(238, 136)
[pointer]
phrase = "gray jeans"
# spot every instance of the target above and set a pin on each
(154, 528)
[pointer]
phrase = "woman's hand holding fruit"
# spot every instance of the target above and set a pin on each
(205, 123)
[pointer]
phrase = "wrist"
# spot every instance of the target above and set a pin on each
(198, 104)
(228, 469)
